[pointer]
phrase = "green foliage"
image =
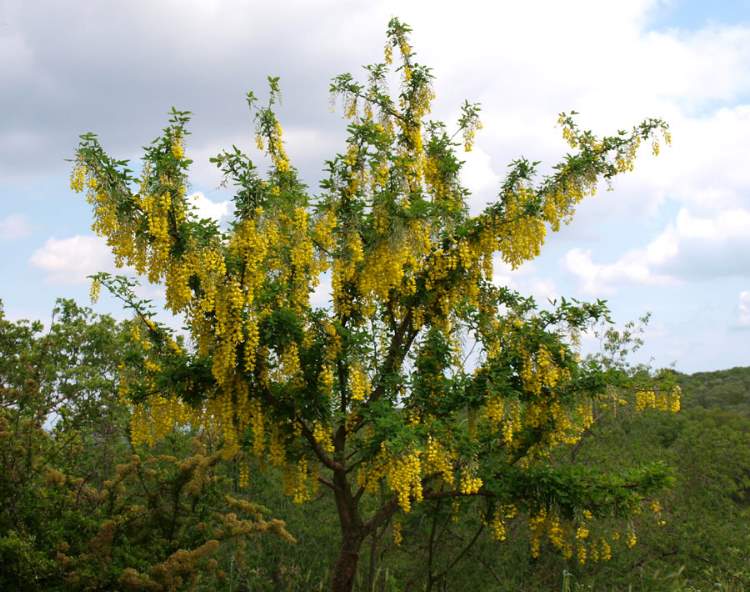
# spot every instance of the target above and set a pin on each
(80, 511)
(699, 541)
(728, 389)
(79, 508)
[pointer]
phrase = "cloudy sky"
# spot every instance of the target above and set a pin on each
(672, 238)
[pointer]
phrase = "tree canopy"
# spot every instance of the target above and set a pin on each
(422, 379)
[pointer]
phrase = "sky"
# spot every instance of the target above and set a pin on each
(671, 239)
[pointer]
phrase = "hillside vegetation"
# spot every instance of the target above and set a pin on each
(81, 509)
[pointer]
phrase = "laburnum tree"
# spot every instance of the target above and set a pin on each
(422, 378)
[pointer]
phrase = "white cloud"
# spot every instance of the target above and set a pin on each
(543, 290)
(307, 147)
(15, 55)
(321, 296)
(480, 178)
(705, 168)
(601, 279)
(205, 208)
(309, 144)
(709, 246)
(526, 280)
(14, 226)
(504, 275)
(692, 247)
(689, 78)
(743, 316)
(70, 260)
(524, 62)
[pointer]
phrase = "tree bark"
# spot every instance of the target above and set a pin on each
(353, 531)
(346, 565)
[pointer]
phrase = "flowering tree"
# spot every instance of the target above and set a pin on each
(422, 379)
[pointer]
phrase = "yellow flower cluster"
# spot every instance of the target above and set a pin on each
(369, 475)
(523, 234)
(439, 459)
(304, 268)
(495, 411)
(227, 414)
(227, 425)
(398, 536)
(605, 552)
(657, 509)
(405, 479)
(540, 371)
(95, 290)
(178, 151)
(325, 378)
(323, 232)
(385, 269)
(435, 180)
(257, 425)
(388, 53)
(626, 162)
(470, 483)
(389, 264)
(568, 132)
(497, 526)
(324, 436)
(675, 399)
(344, 270)
(444, 262)
(560, 202)
(581, 552)
(470, 133)
(296, 482)
(251, 244)
(276, 451)
(359, 383)
(244, 475)
(497, 523)
(570, 424)
(151, 421)
(510, 416)
(631, 539)
(650, 399)
(289, 368)
(78, 177)
(579, 540)
(512, 423)
(275, 140)
(555, 533)
(536, 526)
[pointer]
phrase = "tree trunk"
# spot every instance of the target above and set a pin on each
(346, 565)
(372, 568)
(352, 531)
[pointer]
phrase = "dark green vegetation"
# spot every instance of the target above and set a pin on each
(81, 510)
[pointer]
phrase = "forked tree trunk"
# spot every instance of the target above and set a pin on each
(354, 531)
